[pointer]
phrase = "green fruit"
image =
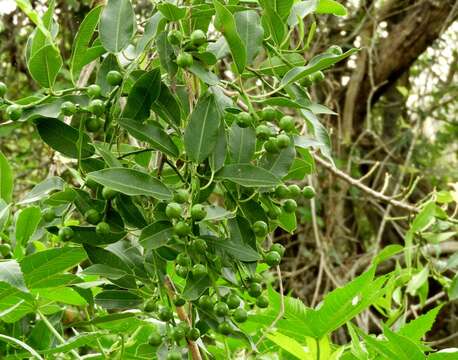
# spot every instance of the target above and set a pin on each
(155, 339)
(274, 212)
(198, 37)
(102, 228)
(256, 278)
(244, 119)
(283, 141)
(335, 49)
(308, 192)
(233, 301)
(13, 112)
(92, 216)
(173, 210)
(181, 196)
(287, 123)
(97, 107)
(184, 60)
(174, 355)
(278, 248)
(178, 333)
(263, 132)
(206, 302)
(179, 302)
(5, 249)
(199, 245)
(224, 328)
(198, 212)
(272, 258)
(164, 313)
(181, 228)
(48, 214)
(3, 89)
(290, 206)
(93, 124)
(240, 315)
(268, 114)
(262, 302)
(66, 233)
(260, 228)
(94, 91)
(193, 334)
(68, 108)
(221, 309)
(183, 259)
(317, 76)
(199, 270)
(108, 193)
(150, 306)
(174, 37)
(294, 190)
(182, 271)
(255, 289)
(271, 146)
(307, 81)
(282, 191)
(114, 78)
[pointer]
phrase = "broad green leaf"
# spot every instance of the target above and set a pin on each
(248, 175)
(42, 189)
(278, 67)
(287, 221)
(131, 182)
(225, 23)
(417, 281)
(387, 252)
(201, 133)
(319, 62)
(44, 65)
(118, 299)
(424, 218)
(156, 235)
(153, 25)
(195, 287)
(65, 295)
(82, 42)
(166, 54)
(11, 274)
(6, 179)
(272, 21)
(251, 33)
(142, 95)
(117, 25)
(331, 7)
(26, 7)
(417, 328)
(151, 133)
(280, 163)
(75, 342)
(108, 64)
(88, 235)
(204, 74)
(38, 39)
(4, 213)
(130, 212)
(105, 271)
(242, 144)
(63, 138)
(172, 12)
(290, 345)
(404, 348)
(167, 106)
(300, 10)
(320, 132)
(26, 224)
(236, 249)
(218, 156)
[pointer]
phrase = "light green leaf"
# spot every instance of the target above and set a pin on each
(11, 274)
(6, 179)
(171, 12)
(417, 328)
(404, 348)
(44, 65)
(300, 10)
(290, 345)
(417, 281)
(331, 7)
(251, 33)
(26, 7)
(105, 271)
(26, 224)
(248, 175)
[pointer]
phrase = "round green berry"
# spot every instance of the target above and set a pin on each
(155, 339)
(199, 245)
(278, 248)
(66, 233)
(233, 301)
(108, 193)
(93, 124)
(244, 119)
(240, 315)
(221, 309)
(282, 191)
(178, 333)
(262, 302)
(224, 328)
(290, 206)
(317, 76)
(164, 313)
(182, 271)
(68, 108)
(287, 123)
(181, 228)
(183, 259)
(13, 112)
(184, 60)
(174, 355)
(263, 132)
(5, 249)
(181, 196)
(102, 228)
(114, 78)
(260, 228)
(175, 37)
(92, 216)
(173, 210)
(94, 90)
(198, 37)
(206, 302)
(199, 270)
(48, 214)
(283, 141)
(193, 334)
(255, 290)
(308, 192)
(271, 146)
(96, 107)
(272, 258)
(268, 114)
(179, 301)
(294, 190)
(150, 306)
(198, 212)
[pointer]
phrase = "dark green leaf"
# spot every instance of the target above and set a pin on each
(250, 31)
(242, 144)
(6, 179)
(166, 54)
(156, 235)
(248, 175)
(280, 163)
(88, 235)
(171, 12)
(235, 249)
(195, 287)
(44, 65)
(117, 299)
(218, 156)
(26, 224)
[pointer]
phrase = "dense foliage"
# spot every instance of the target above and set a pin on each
(187, 137)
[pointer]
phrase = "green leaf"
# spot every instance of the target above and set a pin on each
(63, 138)
(4, 213)
(44, 65)
(75, 342)
(225, 23)
(195, 287)
(156, 234)
(42, 189)
(218, 156)
(131, 182)
(417, 281)
(300, 10)
(108, 64)
(424, 218)
(153, 25)
(88, 235)
(280, 163)
(248, 175)
(323, 141)
(318, 63)
(204, 74)
(167, 106)
(331, 7)
(38, 39)
(201, 133)
(6, 179)
(404, 348)
(142, 95)
(106, 271)
(82, 41)
(453, 289)
(11, 274)
(272, 21)
(151, 133)
(118, 299)
(418, 327)
(290, 345)
(242, 144)
(26, 7)
(278, 67)
(117, 25)
(166, 54)
(236, 249)
(251, 33)
(172, 12)
(26, 224)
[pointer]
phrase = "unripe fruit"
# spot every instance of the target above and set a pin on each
(260, 228)
(335, 49)
(155, 339)
(224, 328)
(174, 37)
(102, 228)
(206, 302)
(174, 355)
(268, 114)
(274, 212)
(283, 141)
(184, 60)
(181, 196)
(282, 191)
(181, 228)
(317, 76)
(173, 210)
(183, 259)
(92, 216)
(164, 313)
(271, 146)
(244, 119)
(3, 89)
(263, 132)
(287, 123)
(114, 78)
(262, 302)
(221, 309)
(49, 214)
(13, 112)
(68, 108)
(108, 193)
(150, 306)
(198, 37)
(308, 192)
(66, 233)
(290, 206)
(272, 258)
(178, 333)
(93, 124)
(255, 289)
(199, 245)
(233, 301)
(294, 190)
(94, 90)
(179, 302)
(278, 248)
(182, 271)
(240, 315)
(5, 249)
(256, 278)
(193, 334)
(199, 270)
(97, 107)
(198, 212)
(307, 81)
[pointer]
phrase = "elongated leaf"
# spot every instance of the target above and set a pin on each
(75, 343)
(218, 156)
(118, 299)
(11, 274)
(242, 144)
(225, 23)
(331, 7)
(248, 175)
(44, 65)
(272, 21)
(117, 25)
(404, 348)
(166, 54)
(142, 95)
(26, 7)
(237, 249)
(204, 74)
(290, 345)
(280, 163)
(153, 25)
(42, 189)
(201, 133)
(88, 235)
(320, 132)
(6, 179)
(26, 224)
(131, 182)
(251, 33)
(417, 328)
(195, 287)
(156, 235)
(151, 133)
(63, 138)
(167, 106)
(171, 12)
(38, 38)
